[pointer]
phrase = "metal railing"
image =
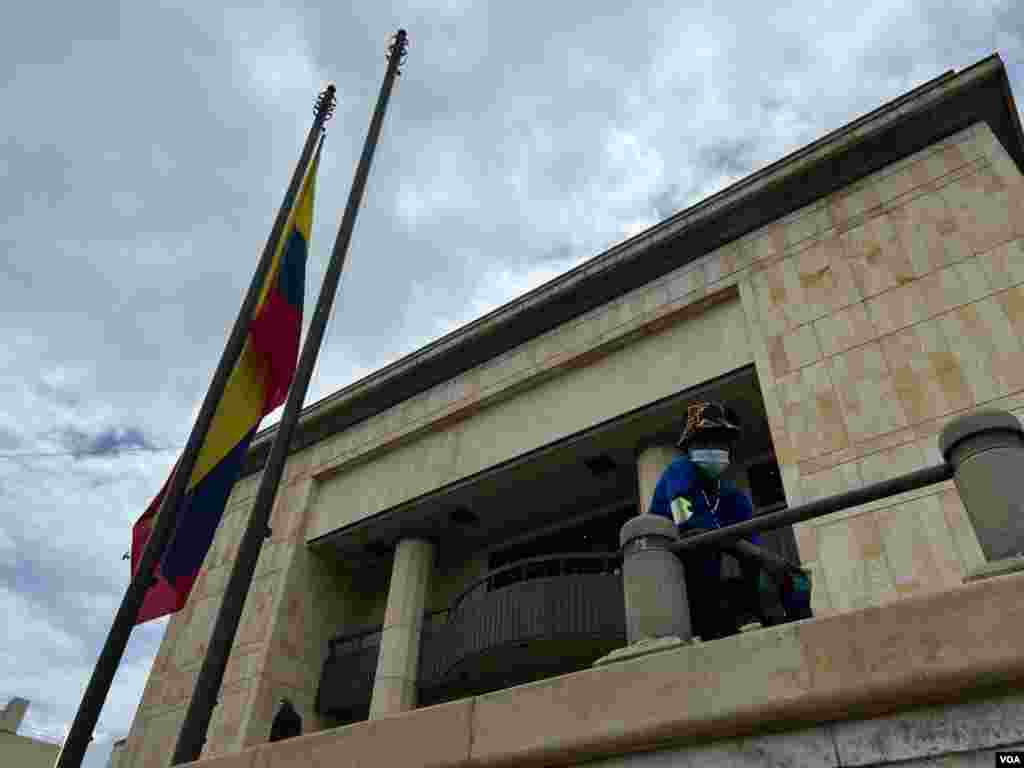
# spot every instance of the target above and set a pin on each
(727, 538)
(439, 651)
(568, 564)
(911, 481)
(546, 566)
(363, 639)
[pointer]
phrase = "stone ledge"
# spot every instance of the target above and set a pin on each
(918, 651)
(996, 568)
(642, 648)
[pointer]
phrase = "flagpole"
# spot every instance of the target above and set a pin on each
(78, 738)
(204, 696)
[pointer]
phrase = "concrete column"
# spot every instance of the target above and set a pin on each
(986, 451)
(653, 581)
(394, 686)
(651, 461)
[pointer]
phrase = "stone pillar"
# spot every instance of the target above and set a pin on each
(394, 686)
(653, 581)
(986, 451)
(651, 461)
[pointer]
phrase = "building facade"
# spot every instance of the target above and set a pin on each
(19, 749)
(848, 301)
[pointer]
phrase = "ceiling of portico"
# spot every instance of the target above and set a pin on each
(550, 485)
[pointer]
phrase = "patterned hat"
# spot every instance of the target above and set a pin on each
(712, 418)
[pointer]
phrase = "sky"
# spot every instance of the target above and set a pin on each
(145, 148)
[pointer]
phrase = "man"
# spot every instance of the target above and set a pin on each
(692, 494)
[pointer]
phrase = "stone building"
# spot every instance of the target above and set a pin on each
(849, 301)
(20, 749)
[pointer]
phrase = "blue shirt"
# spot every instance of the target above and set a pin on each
(681, 480)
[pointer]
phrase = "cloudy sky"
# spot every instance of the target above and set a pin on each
(145, 147)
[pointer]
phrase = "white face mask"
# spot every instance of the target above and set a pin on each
(713, 461)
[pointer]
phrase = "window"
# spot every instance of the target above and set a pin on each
(766, 487)
(767, 492)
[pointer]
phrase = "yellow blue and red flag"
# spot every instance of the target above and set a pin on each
(256, 386)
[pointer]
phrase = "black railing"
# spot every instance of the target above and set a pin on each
(911, 481)
(346, 682)
(499, 630)
(369, 637)
(546, 566)
(488, 616)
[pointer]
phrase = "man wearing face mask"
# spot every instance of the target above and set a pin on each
(692, 493)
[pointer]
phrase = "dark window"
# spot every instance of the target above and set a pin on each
(767, 491)
(766, 484)
(600, 465)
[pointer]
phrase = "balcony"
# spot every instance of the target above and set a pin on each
(346, 682)
(526, 621)
(533, 619)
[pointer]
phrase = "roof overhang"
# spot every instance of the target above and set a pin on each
(908, 124)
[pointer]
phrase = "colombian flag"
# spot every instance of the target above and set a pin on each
(257, 385)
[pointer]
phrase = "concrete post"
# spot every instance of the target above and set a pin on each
(986, 451)
(394, 686)
(653, 581)
(651, 462)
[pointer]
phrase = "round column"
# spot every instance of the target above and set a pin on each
(653, 581)
(651, 462)
(986, 451)
(394, 686)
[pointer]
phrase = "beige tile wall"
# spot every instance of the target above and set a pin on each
(904, 309)
(295, 603)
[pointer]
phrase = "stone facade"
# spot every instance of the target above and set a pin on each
(900, 312)
(278, 649)
(906, 681)
(959, 736)
(875, 316)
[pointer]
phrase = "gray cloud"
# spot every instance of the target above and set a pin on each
(109, 441)
(146, 146)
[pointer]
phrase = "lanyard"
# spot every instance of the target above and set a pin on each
(713, 510)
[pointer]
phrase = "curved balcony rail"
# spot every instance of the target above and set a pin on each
(545, 566)
(510, 626)
(530, 619)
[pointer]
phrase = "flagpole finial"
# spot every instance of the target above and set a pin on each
(326, 102)
(399, 47)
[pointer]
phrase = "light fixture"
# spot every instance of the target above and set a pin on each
(600, 465)
(464, 516)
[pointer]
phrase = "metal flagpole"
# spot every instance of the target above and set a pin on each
(204, 696)
(73, 750)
